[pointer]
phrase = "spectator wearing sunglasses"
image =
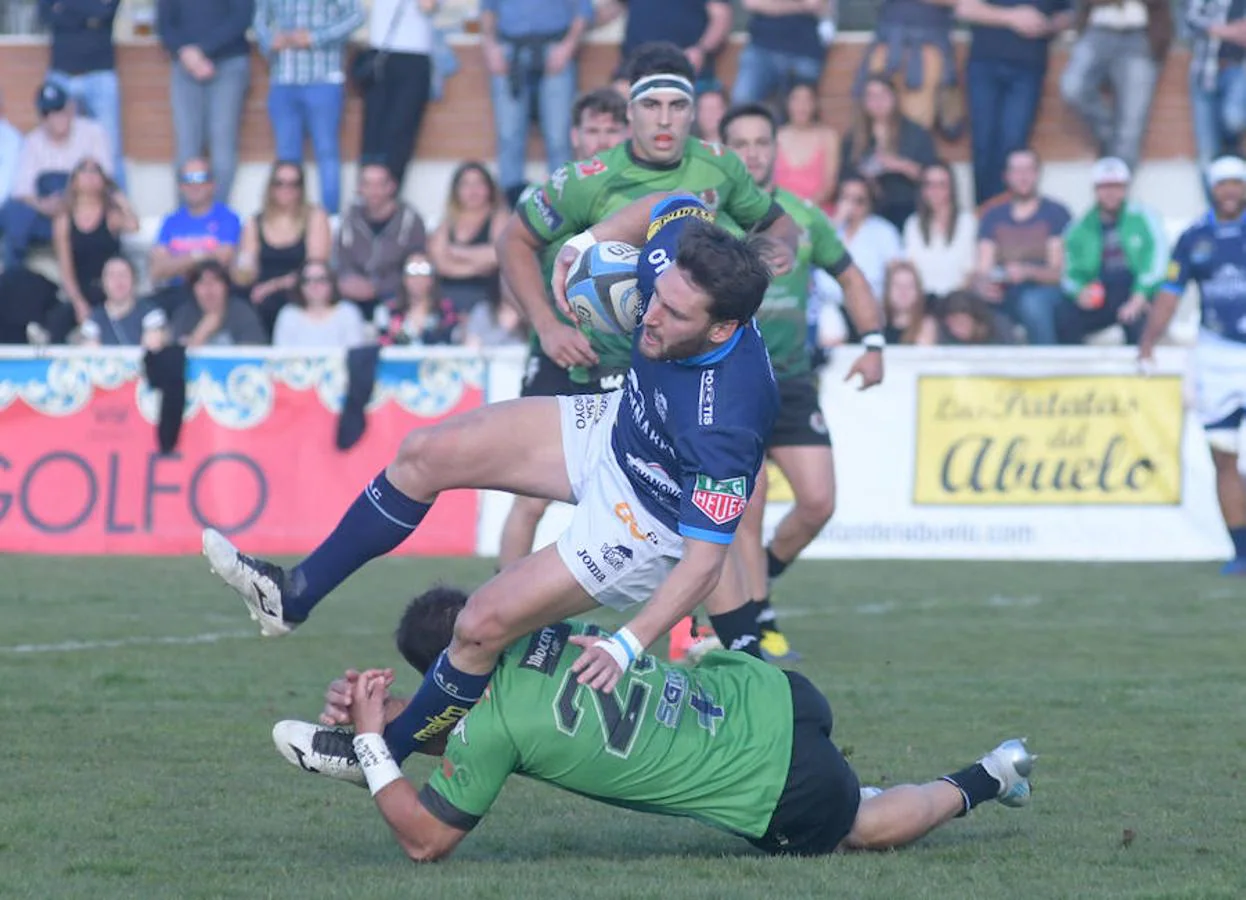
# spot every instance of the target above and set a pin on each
(202, 229)
(316, 319)
(285, 233)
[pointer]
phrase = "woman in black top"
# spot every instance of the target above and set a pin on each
(887, 149)
(88, 234)
(276, 242)
(461, 249)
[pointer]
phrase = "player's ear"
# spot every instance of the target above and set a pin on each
(721, 332)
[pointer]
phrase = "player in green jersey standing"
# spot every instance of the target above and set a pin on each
(800, 444)
(599, 122)
(734, 743)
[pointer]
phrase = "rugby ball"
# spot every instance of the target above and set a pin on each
(601, 288)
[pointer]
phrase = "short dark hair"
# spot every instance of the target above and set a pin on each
(729, 269)
(602, 100)
(213, 266)
(427, 625)
(658, 58)
(744, 111)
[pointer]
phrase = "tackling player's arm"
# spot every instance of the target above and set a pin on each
(1167, 298)
(863, 307)
(423, 836)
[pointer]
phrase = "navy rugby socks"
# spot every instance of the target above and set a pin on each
(1238, 535)
(445, 696)
(380, 519)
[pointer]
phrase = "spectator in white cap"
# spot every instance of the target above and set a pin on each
(1212, 254)
(1114, 260)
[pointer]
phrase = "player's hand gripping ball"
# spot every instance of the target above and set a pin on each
(601, 288)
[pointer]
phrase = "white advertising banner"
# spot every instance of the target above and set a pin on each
(996, 453)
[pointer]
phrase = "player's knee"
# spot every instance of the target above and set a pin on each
(416, 463)
(816, 507)
(483, 625)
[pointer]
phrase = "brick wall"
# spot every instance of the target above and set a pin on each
(460, 126)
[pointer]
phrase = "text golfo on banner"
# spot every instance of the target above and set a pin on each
(80, 471)
(1070, 440)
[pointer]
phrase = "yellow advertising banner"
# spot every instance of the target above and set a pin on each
(1063, 441)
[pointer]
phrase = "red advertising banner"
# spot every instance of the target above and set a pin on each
(81, 472)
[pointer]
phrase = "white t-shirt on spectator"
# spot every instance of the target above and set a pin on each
(400, 27)
(876, 243)
(344, 328)
(943, 265)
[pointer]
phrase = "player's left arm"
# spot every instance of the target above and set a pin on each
(759, 212)
(689, 583)
(863, 308)
(719, 464)
(421, 834)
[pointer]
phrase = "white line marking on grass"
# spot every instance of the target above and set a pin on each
(1000, 600)
(75, 646)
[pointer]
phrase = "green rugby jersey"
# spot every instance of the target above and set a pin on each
(713, 743)
(580, 194)
(783, 317)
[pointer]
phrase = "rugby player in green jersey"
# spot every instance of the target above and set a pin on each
(599, 122)
(800, 444)
(735, 743)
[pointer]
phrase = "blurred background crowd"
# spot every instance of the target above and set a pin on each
(316, 262)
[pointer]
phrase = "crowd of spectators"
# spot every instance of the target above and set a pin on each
(1014, 266)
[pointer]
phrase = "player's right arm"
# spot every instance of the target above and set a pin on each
(430, 823)
(1167, 297)
(554, 211)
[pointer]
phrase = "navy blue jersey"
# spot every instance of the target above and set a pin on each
(1213, 255)
(691, 433)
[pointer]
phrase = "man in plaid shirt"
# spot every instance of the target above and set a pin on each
(1217, 76)
(303, 41)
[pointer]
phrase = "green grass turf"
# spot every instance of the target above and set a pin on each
(145, 768)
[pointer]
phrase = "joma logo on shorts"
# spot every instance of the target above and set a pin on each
(591, 565)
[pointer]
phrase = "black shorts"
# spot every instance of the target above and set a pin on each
(800, 422)
(820, 798)
(545, 378)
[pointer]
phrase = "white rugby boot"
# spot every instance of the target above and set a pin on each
(320, 749)
(1010, 764)
(259, 582)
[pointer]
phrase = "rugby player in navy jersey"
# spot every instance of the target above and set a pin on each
(660, 473)
(1212, 254)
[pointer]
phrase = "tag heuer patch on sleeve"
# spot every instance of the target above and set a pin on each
(721, 501)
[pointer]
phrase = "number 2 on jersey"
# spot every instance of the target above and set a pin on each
(620, 721)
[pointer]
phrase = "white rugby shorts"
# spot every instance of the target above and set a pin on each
(1219, 370)
(615, 549)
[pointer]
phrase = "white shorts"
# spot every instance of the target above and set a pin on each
(1219, 368)
(616, 550)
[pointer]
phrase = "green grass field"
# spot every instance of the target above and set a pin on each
(137, 705)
